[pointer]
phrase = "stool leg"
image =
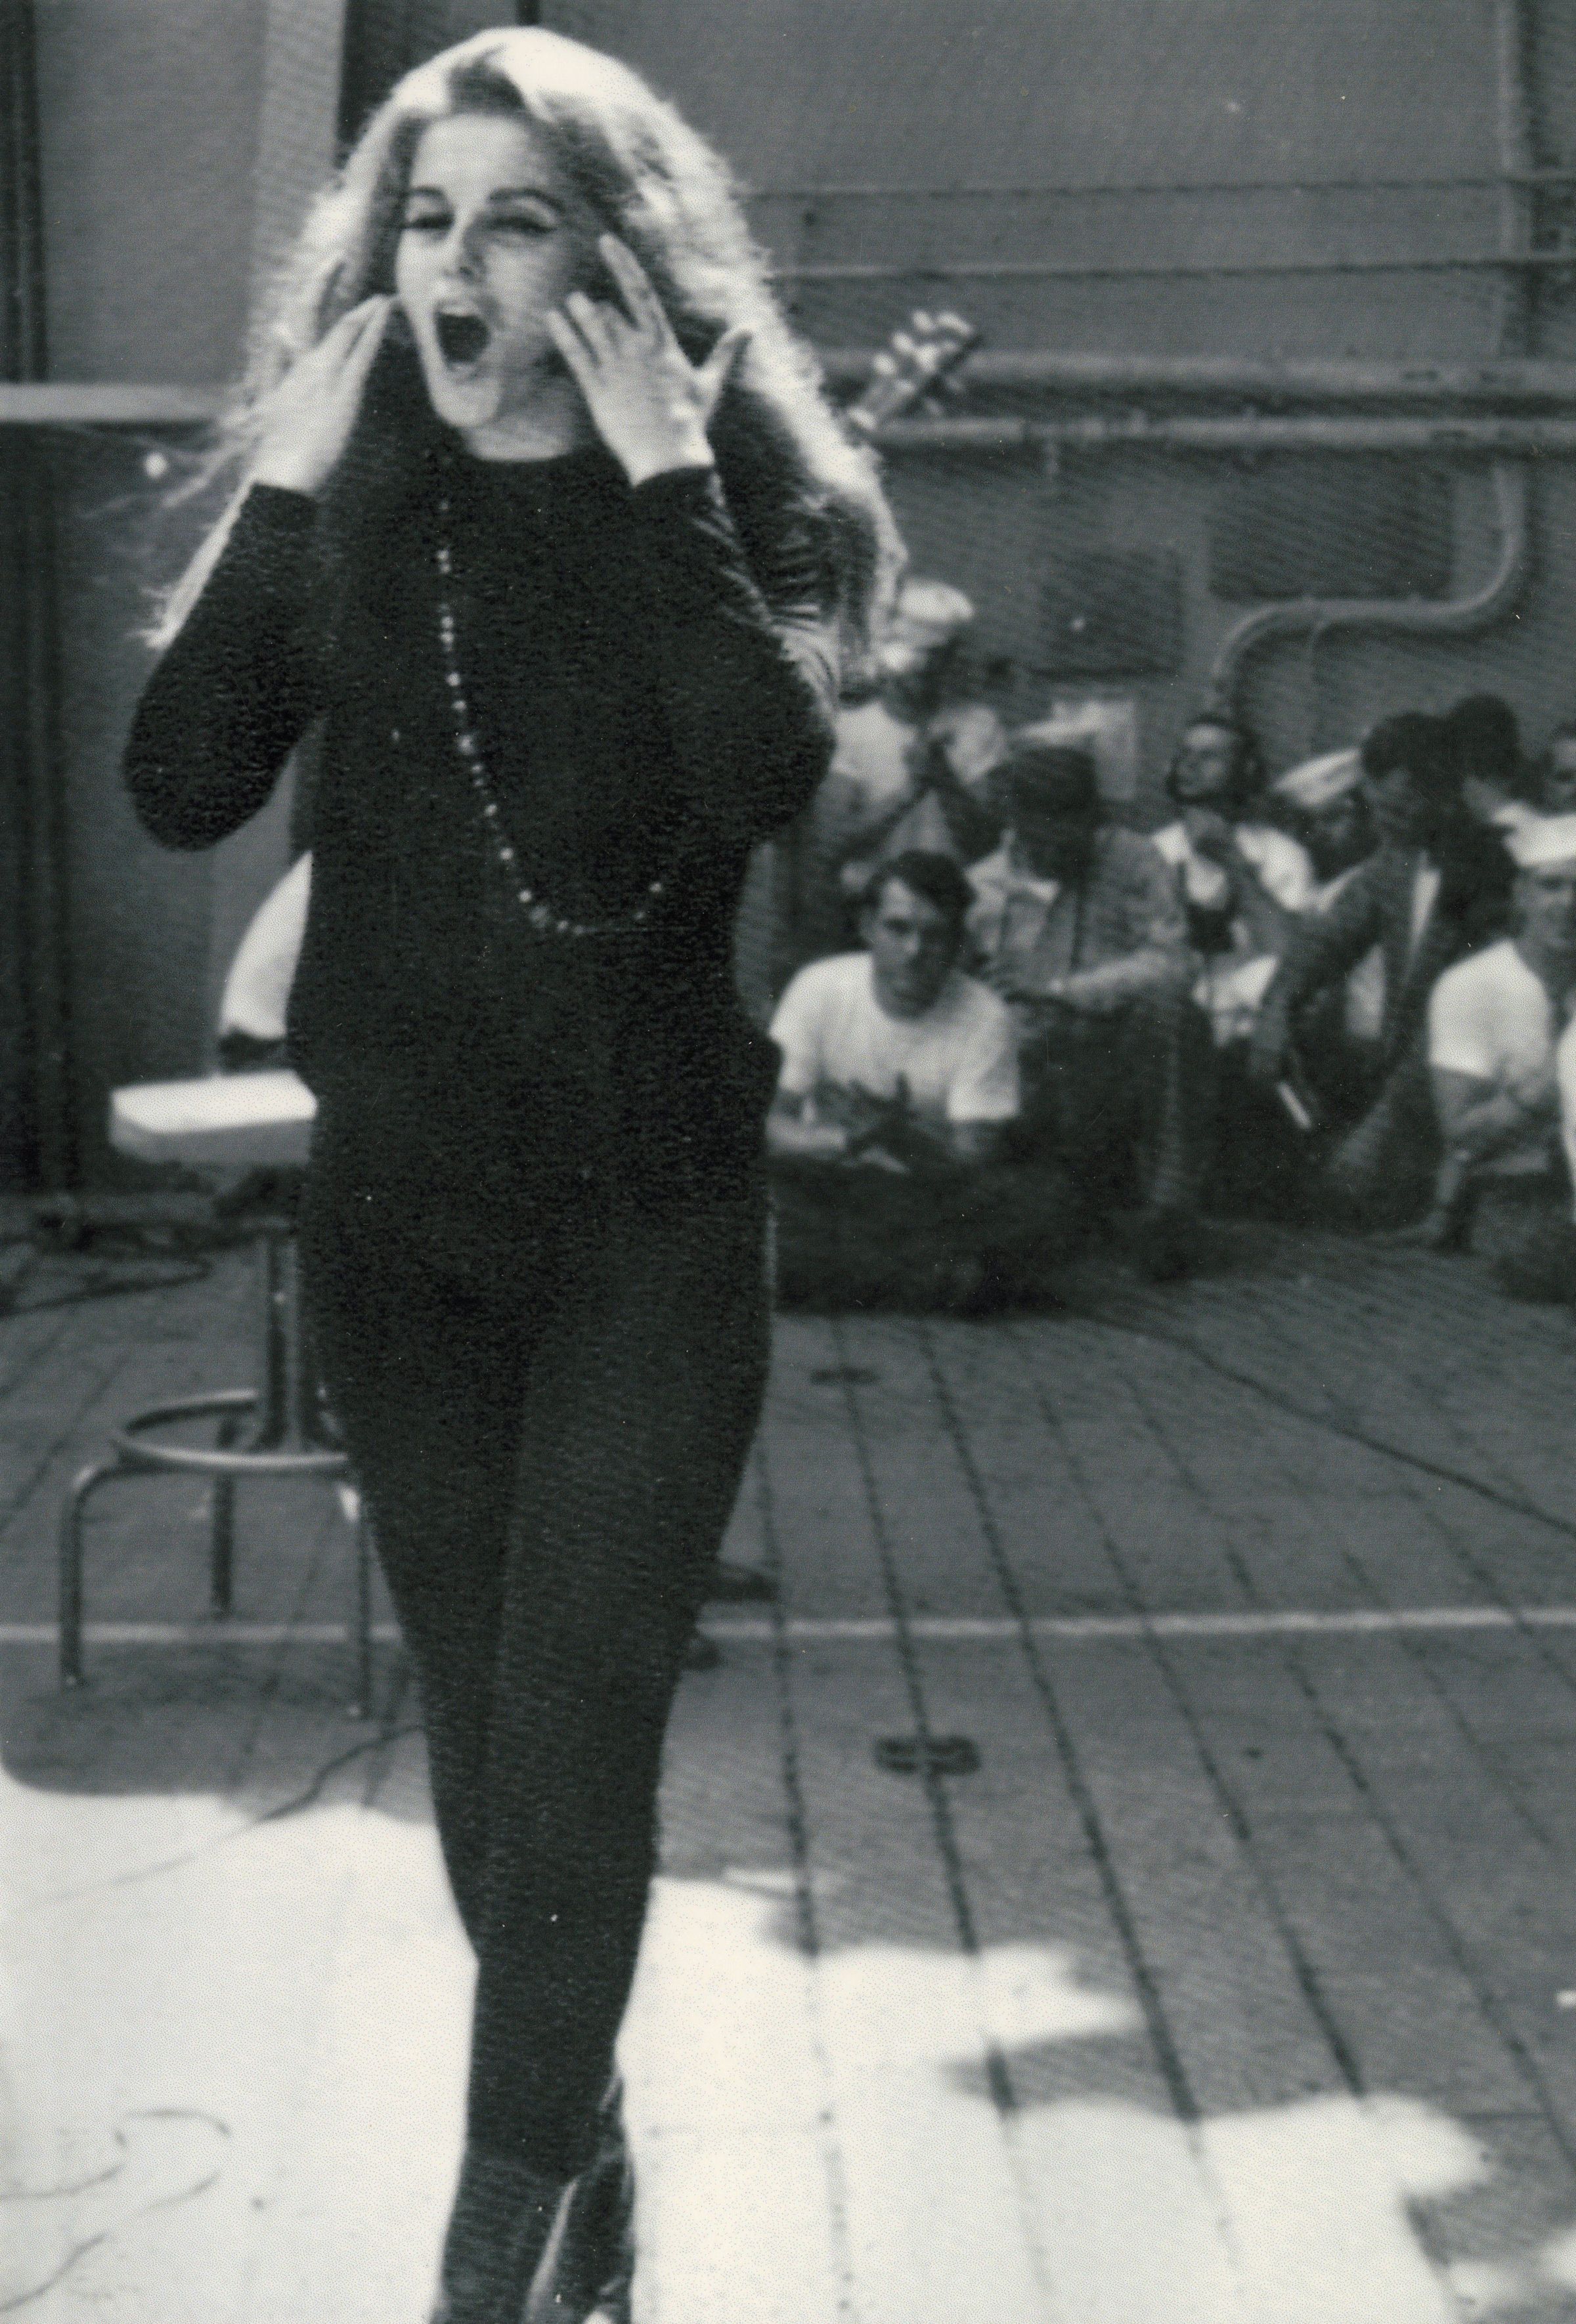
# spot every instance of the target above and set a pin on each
(221, 1549)
(221, 1529)
(70, 1567)
(307, 1387)
(361, 1706)
(274, 1288)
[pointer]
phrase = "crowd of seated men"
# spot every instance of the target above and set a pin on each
(1351, 984)
(1345, 992)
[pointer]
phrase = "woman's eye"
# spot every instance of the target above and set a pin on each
(522, 225)
(426, 222)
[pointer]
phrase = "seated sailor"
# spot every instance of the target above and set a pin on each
(899, 1086)
(1496, 1051)
(1082, 932)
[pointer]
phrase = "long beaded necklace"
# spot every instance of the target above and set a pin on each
(543, 918)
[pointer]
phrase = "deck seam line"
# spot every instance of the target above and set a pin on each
(829, 2140)
(880, 1629)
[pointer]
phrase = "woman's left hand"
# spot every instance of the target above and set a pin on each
(652, 405)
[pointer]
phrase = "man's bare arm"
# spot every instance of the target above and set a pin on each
(854, 1122)
(790, 1135)
(1479, 1119)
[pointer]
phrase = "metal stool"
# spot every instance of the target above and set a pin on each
(254, 1121)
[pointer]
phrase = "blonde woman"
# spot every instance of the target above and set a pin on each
(545, 519)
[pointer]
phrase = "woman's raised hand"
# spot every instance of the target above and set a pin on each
(308, 419)
(651, 404)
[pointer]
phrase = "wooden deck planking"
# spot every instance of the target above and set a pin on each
(939, 2217)
(818, 1514)
(1342, 1864)
(1388, 1679)
(730, 2099)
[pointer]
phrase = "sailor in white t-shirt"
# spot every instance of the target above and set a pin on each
(899, 1083)
(1496, 1023)
(895, 1042)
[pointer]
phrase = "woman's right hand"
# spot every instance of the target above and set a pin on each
(308, 419)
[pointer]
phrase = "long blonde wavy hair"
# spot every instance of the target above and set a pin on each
(647, 177)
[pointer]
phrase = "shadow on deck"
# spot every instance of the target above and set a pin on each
(1234, 1982)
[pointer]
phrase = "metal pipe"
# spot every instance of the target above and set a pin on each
(1052, 373)
(1461, 616)
(991, 270)
(81, 404)
(72, 403)
(1455, 617)
(1485, 183)
(1302, 433)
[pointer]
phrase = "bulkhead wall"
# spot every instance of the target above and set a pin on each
(1135, 177)
(1093, 176)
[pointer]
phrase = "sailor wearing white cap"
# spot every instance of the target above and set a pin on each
(1503, 1064)
(1544, 840)
(1436, 888)
(1318, 783)
(910, 768)
(1323, 803)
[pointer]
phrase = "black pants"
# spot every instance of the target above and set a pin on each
(548, 1412)
(1124, 1100)
(1381, 1171)
(868, 1239)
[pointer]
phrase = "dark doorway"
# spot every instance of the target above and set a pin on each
(35, 1132)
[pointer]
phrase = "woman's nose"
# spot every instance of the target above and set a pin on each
(462, 251)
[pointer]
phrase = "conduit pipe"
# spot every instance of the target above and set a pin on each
(1462, 616)
(105, 403)
(1509, 377)
(1050, 372)
(1455, 617)
(1305, 432)
(1181, 270)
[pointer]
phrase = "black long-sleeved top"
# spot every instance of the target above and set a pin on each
(644, 713)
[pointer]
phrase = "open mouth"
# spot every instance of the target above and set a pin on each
(461, 338)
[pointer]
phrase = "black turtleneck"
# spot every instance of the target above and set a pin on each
(644, 713)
